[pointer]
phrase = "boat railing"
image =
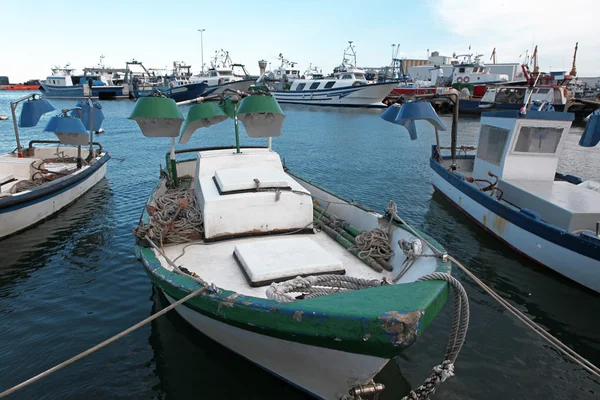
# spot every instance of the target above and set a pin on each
(32, 142)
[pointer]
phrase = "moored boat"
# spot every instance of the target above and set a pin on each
(64, 84)
(512, 189)
(348, 87)
(273, 288)
(224, 75)
(41, 179)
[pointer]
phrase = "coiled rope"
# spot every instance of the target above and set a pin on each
(320, 285)
(174, 218)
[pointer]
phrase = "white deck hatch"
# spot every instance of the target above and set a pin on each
(238, 179)
(277, 260)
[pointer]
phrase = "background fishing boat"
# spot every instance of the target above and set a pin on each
(512, 189)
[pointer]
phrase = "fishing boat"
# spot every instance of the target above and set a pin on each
(512, 189)
(224, 75)
(179, 85)
(238, 227)
(41, 179)
(347, 88)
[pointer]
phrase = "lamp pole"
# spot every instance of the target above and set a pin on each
(202, 48)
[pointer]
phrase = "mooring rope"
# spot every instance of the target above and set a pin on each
(103, 344)
(557, 344)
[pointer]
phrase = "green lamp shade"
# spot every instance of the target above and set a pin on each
(199, 116)
(261, 116)
(69, 130)
(157, 116)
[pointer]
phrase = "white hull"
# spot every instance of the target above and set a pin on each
(21, 218)
(575, 266)
(351, 96)
(325, 373)
(237, 85)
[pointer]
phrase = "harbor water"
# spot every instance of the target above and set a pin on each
(73, 281)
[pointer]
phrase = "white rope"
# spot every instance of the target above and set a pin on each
(103, 344)
(315, 286)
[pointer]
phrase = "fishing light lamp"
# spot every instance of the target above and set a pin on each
(408, 113)
(33, 110)
(591, 134)
(86, 117)
(157, 116)
(201, 115)
(69, 130)
(261, 116)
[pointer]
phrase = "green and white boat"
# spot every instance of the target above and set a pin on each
(288, 285)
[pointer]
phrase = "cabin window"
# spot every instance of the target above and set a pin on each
(300, 86)
(461, 70)
(314, 85)
(492, 141)
(213, 74)
(329, 84)
(347, 76)
(542, 91)
(534, 139)
(287, 72)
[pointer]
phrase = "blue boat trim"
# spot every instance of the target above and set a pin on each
(45, 192)
(551, 233)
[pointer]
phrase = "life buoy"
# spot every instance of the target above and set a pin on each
(467, 79)
(459, 79)
(520, 94)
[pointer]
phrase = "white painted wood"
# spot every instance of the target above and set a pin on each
(248, 212)
(575, 266)
(19, 219)
(214, 262)
(232, 179)
(328, 374)
(268, 260)
(559, 203)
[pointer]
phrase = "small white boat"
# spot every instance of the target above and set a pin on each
(48, 175)
(512, 189)
(242, 228)
(347, 88)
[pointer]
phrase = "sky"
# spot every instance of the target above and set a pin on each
(37, 34)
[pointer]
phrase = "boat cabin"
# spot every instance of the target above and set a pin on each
(522, 153)
(247, 194)
(518, 94)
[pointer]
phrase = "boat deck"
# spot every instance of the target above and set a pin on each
(13, 170)
(214, 262)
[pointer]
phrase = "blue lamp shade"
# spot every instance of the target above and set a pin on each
(70, 131)
(85, 114)
(32, 111)
(408, 113)
(591, 134)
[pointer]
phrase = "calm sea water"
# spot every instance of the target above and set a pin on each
(73, 281)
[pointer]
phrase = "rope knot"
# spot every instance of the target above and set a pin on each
(445, 370)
